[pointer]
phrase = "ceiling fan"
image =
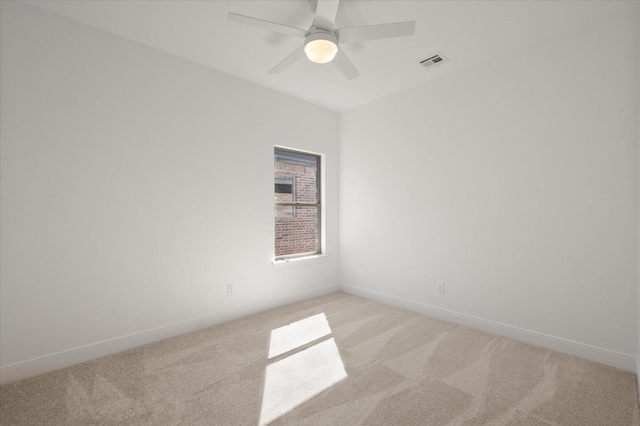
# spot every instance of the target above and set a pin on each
(321, 40)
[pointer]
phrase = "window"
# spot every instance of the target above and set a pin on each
(297, 203)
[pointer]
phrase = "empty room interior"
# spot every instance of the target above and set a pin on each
(319, 212)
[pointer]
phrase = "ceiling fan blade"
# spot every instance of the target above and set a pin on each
(273, 26)
(375, 32)
(326, 11)
(288, 61)
(345, 65)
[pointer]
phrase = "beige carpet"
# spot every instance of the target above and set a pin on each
(343, 360)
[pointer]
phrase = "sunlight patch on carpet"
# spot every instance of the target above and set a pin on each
(299, 333)
(295, 379)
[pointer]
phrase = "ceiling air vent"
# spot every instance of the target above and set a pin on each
(434, 61)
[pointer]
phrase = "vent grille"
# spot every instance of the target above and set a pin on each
(434, 61)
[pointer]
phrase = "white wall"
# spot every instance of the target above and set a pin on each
(135, 187)
(638, 309)
(514, 182)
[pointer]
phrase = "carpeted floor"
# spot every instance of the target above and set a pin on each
(343, 360)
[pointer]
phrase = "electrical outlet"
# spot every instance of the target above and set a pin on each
(440, 288)
(230, 290)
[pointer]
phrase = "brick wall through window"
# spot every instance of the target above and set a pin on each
(296, 227)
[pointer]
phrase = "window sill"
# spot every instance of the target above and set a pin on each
(300, 261)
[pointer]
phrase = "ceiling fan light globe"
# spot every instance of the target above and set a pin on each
(321, 51)
(321, 47)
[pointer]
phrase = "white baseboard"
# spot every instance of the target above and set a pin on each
(638, 378)
(581, 350)
(46, 364)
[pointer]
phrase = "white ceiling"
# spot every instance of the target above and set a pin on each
(466, 32)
